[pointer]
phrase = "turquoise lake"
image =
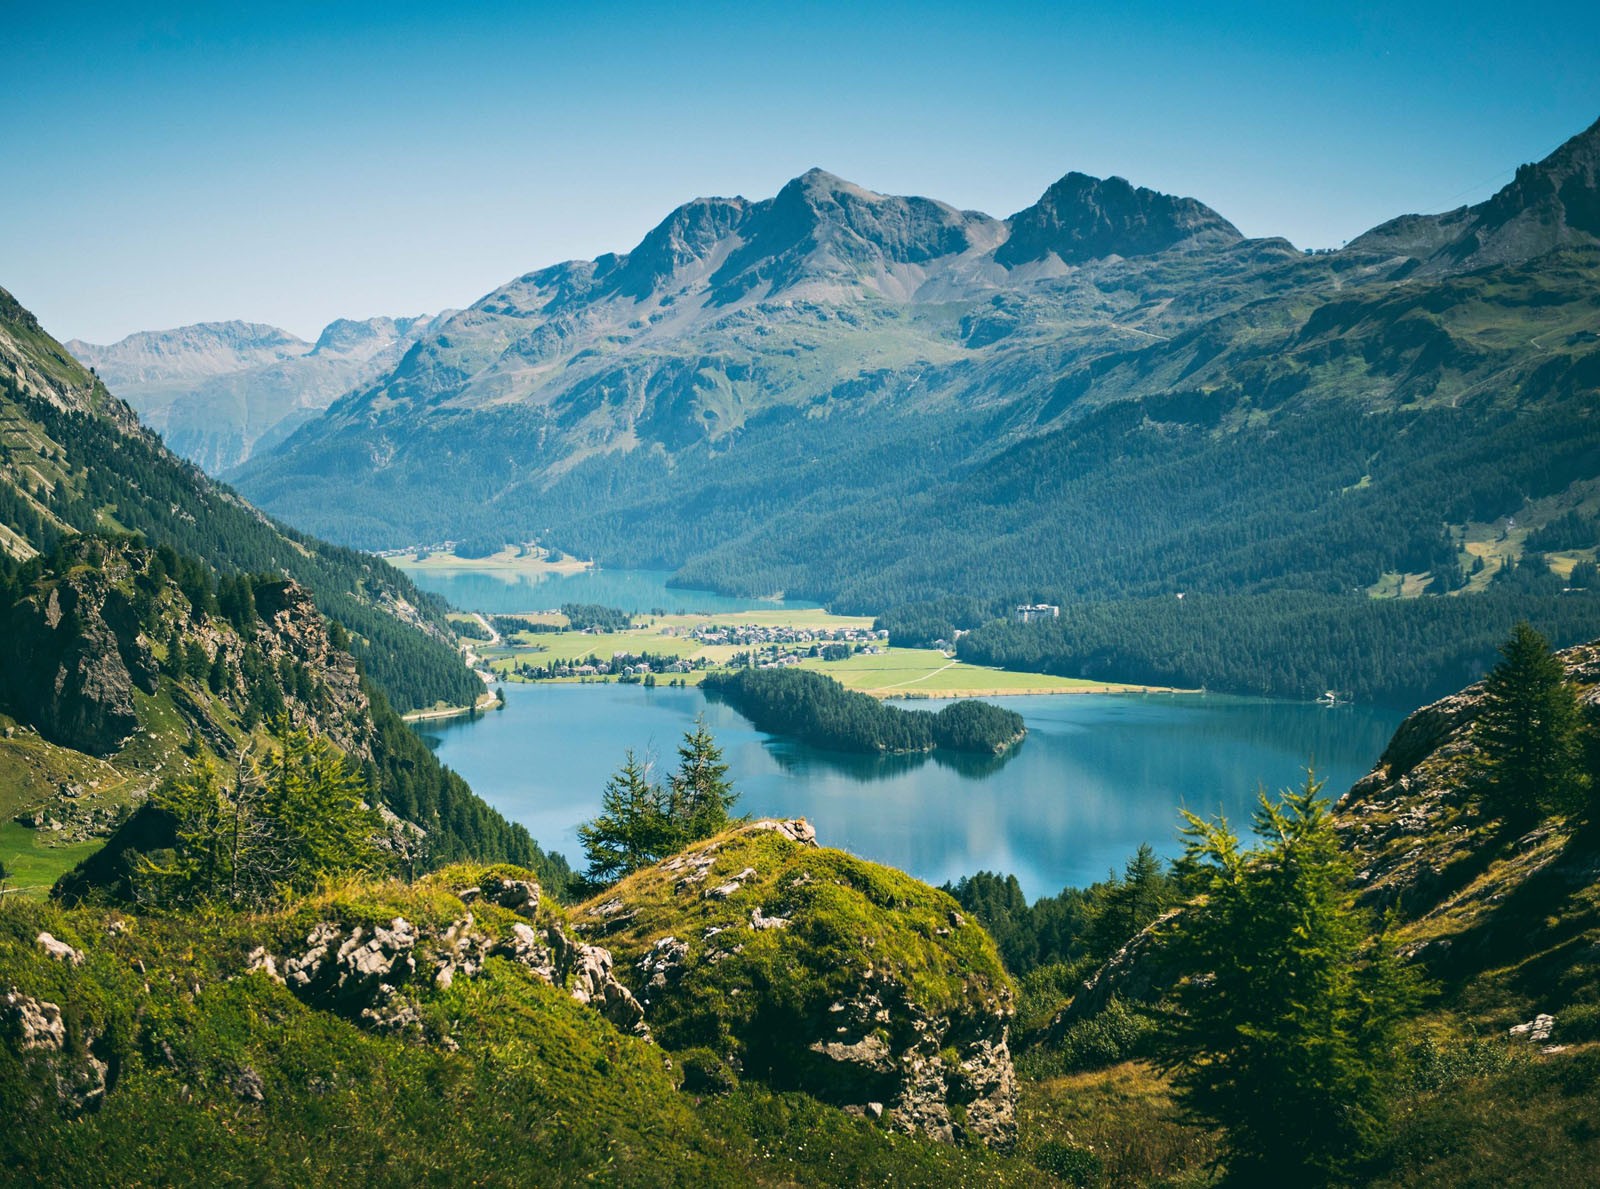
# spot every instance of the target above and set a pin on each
(1096, 776)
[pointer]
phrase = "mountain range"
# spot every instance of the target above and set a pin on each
(219, 391)
(877, 401)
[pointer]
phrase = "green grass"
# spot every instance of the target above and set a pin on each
(925, 671)
(32, 865)
(894, 672)
(1126, 1118)
(847, 915)
(531, 1088)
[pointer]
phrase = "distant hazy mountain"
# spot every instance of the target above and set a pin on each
(219, 391)
(874, 399)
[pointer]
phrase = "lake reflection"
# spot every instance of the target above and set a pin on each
(1096, 776)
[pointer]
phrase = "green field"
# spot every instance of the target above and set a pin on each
(894, 672)
(914, 672)
(31, 866)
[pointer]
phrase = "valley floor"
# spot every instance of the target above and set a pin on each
(684, 647)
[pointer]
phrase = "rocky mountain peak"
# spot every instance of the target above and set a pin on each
(1087, 218)
(1549, 204)
(364, 337)
(821, 226)
(689, 234)
(168, 360)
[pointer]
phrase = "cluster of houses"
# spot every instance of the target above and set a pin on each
(621, 664)
(747, 634)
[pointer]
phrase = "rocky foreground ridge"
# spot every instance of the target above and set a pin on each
(754, 955)
(813, 970)
(1467, 896)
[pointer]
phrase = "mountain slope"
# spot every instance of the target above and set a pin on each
(73, 458)
(1554, 203)
(217, 391)
(826, 299)
(872, 400)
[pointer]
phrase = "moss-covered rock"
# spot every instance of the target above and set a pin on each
(810, 969)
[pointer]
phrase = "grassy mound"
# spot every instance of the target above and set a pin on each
(219, 1075)
(811, 969)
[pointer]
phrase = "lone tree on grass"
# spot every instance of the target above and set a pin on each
(1527, 733)
(1286, 1027)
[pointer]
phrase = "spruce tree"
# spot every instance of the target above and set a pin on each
(266, 833)
(1286, 1026)
(1527, 733)
(633, 829)
(701, 793)
(1124, 906)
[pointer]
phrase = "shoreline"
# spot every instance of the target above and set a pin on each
(487, 702)
(891, 694)
(1108, 688)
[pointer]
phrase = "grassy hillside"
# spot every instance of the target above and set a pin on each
(126, 668)
(212, 1072)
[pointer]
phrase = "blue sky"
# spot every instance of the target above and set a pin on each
(295, 163)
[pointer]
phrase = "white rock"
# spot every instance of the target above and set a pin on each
(59, 950)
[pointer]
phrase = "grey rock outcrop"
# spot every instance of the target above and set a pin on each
(374, 974)
(1535, 1030)
(589, 967)
(37, 1032)
(946, 1076)
(851, 1031)
(357, 971)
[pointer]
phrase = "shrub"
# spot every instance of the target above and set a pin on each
(1074, 1165)
(704, 1072)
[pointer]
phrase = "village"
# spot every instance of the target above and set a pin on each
(679, 649)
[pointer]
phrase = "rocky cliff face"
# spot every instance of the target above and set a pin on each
(1424, 847)
(809, 969)
(74, 651)
(1553, 203)
(78, 647)
(1083, 218)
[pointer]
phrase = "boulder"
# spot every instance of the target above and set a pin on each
(589, 969)
(357, 971)
(521, 896)
(1535, 1030)
(33, 1023)
(60, 951)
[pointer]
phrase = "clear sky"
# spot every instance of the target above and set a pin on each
(295, 163)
